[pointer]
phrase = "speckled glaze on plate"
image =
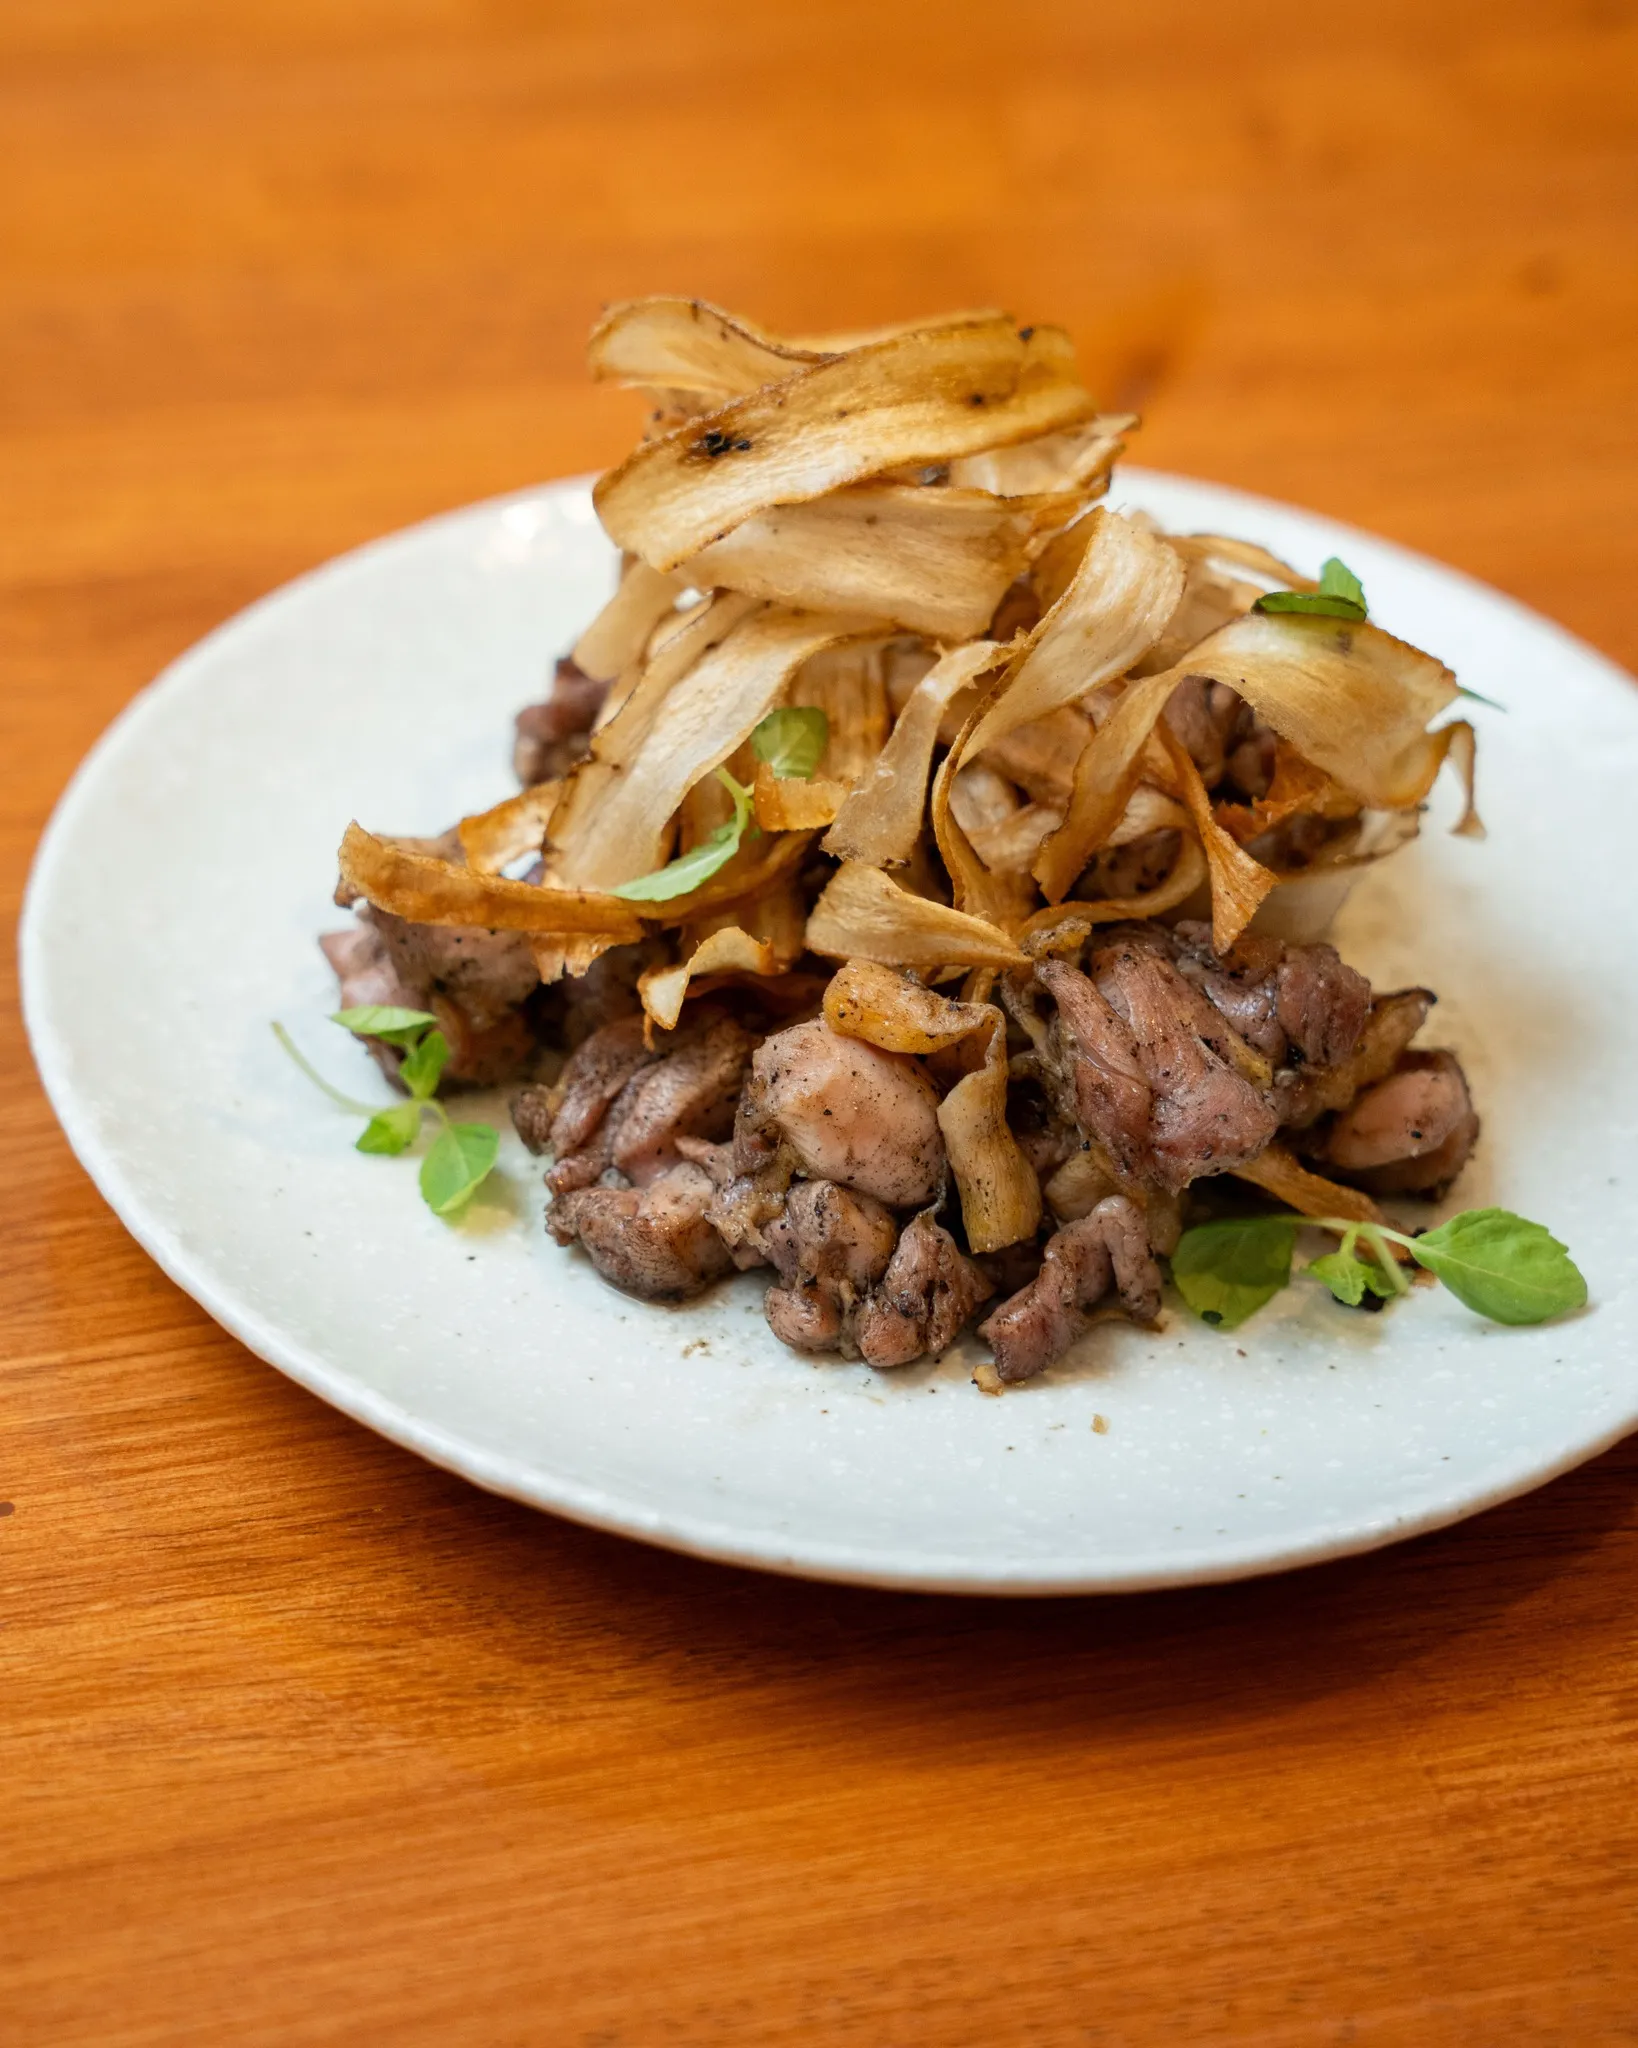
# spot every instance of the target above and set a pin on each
(172, 913)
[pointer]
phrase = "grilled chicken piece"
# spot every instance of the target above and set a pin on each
(652, 1241)
(926, 1298)
(1093, 1058)
(830, 1246)
(1107, 1250)
(618, 1105)
(845, 1112)
(552, 736)
(1304, 1095)
(472, 980)
(1408, 1135)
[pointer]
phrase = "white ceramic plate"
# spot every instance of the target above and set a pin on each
(172, 914)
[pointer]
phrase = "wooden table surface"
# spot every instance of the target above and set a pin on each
(306, 1742)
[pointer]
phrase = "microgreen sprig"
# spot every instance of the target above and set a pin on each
(792, 741)
(1499, 1265)
(461, 1156)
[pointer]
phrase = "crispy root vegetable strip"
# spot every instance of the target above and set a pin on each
(761, 864)
(1000, 1194)
(1072, 461)
(1241, 554)
(556, 957)
(882, 820)
(713, 710)
(1126, 588)
(1004, 900)
(863, 915)
(791, 803)
(687, 345)
(924, 396)
(493, 839)
(1461, 749)
(426, 890)
(730, 950)
(847, 683)
(1297, 789)
(619, 633)
(1278, 1173)
(1238, 883)
(1353, 701)
(844, 341)
(934, 560)
(1063, 927)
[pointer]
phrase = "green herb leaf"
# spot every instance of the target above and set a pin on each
(1336, 579)
(1463, 691)
(392, 1130)
(1225, 1271)
(793, 740)
(1351, 1279)
(1502, 1266)
(460, 1157)
(384, 1020)
(1315, 602)
(700, 863)
(1340, 595)
(423, 1063)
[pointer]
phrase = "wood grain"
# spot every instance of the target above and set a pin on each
(305, 1742)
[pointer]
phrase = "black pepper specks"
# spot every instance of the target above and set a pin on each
(714, 442)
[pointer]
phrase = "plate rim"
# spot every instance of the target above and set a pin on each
(692, 1534)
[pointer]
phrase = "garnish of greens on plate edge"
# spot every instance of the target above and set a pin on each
(917, 882)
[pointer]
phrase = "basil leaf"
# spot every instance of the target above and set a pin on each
(1318, 603)
(1336, 579)
(793, 740)
(392, 1130)
(700, 863)
(1225, 1271)
(384, 1020)
(1502, 1266)
(460, 1157)
(1350, 1279)
(423, 1063)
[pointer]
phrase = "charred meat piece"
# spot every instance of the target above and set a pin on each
(474, 981)
(1133, 869)
(1209, 1115)
(620, 1106)
(1108, 1250)
(845, 1112)
(552, 736)
(1296, 1003)
(830, 1246)
(1205, 717)
(1410, 1134)
(1302, 1097)
(1093, 1059)
(926, 1298)
(653, 1241)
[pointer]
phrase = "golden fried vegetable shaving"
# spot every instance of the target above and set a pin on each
(1074, 461)
(555, 958)
(934, 560)
(615, 639)
(694, 728)
(1353, 700)
(928, 396)
(1241, 554)
(848, 684)
(790, 803)
(1003, 900)
(1279, 1174)
(1298, 789)
(426, 890)
(729, 950)
(493, 839)
(686, 345)
(1080, 1184)
(1125, 589)
(864, 915)
(882, 820)
(1238, 883)
(1000, 1195)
